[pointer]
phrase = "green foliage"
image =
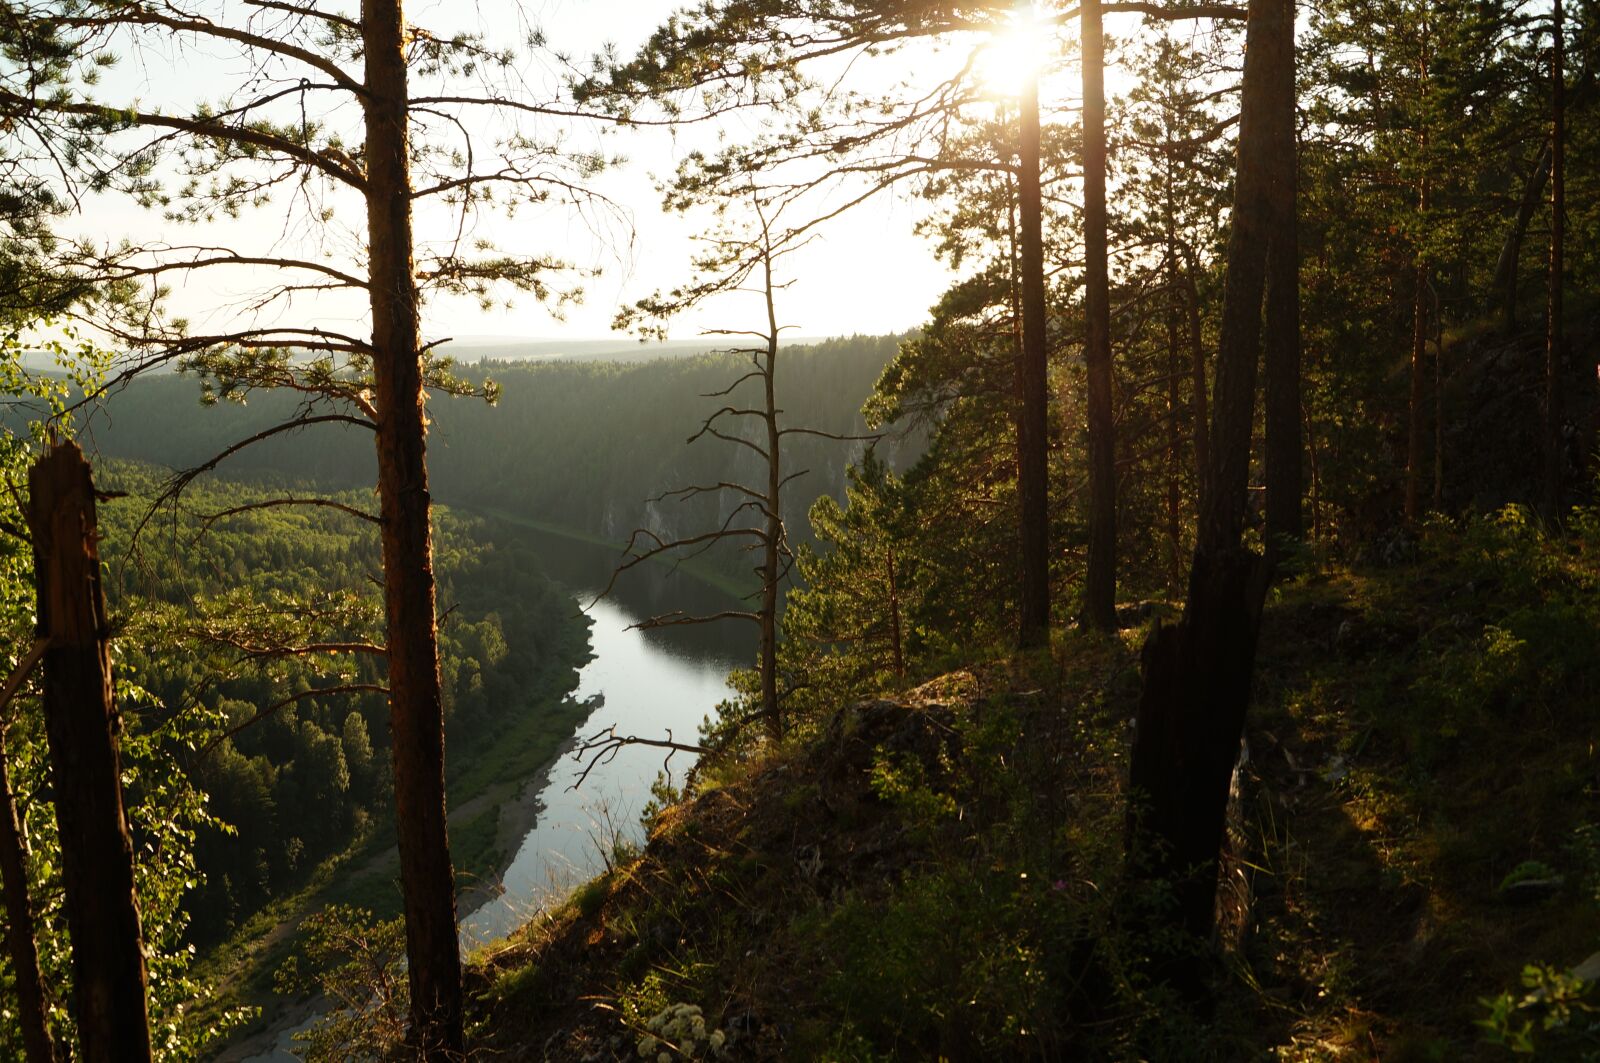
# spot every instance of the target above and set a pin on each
(1558, 1016)
(358, 962)
(903, 780)
(479, 456)
(849, 626)
(227, 616)
(167, 810)
(951, 961)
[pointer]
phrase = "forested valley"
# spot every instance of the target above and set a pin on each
(1161, 626)
(609, 438)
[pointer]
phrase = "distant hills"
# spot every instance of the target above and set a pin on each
(611, 349)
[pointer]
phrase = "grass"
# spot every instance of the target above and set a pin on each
(1446, 737)
(1419, 733)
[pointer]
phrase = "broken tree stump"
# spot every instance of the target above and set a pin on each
(81, 724)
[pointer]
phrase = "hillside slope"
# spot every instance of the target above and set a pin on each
(937, 873)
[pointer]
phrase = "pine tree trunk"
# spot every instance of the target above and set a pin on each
(1200, 416)
(1509, 263)
(1285, 446)
(81, 724)
(772, 537)
(1100, 580)
(1033, 441)
(1555, 338)
(21, 935)
(1197, 674)
(416, 713)
(1438, 412)
(1175, 371)
(1316, 474)
(1419, 322)
(1414, 402)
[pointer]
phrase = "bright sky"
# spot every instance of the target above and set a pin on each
(867, 273)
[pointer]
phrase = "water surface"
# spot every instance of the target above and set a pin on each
(649, 683)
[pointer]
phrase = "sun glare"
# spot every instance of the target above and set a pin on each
(1005, 62)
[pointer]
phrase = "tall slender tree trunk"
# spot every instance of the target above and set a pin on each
(1033, 424)
(1175, 372)
(21, 935)
(1510, 260)
(1285, 445)
(1100, 579)
(1555, 337)
(1438, 411)
(416, 713)
(1200, 415)
(772, 539)
(1198, 673)
(1316, 473)
(1415, 399)
(81, 724)
(1419, 315)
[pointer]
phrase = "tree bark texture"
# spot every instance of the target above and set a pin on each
(1174, 440)
(416, 713)
(1033, 442)
(1100, 578)
(81, 724)
(1285, 444)
(1197, 674)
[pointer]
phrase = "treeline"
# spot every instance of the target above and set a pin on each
(298, 765)
(588, 447)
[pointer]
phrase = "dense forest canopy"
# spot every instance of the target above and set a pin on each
(611, 436)
(1176, 642)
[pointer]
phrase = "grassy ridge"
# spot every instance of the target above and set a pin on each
(939, 875)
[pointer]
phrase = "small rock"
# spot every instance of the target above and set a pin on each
(1528, 890)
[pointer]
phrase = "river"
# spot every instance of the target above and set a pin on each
(648, 683)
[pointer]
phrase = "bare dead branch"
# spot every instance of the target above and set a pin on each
(679, 618)
(605, 745)
(308, 12)
(273, 503)
(871, 437)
